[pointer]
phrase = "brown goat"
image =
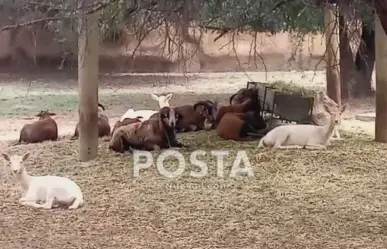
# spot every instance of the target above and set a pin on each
(41, 130)
(156, 133)
(242, 95)
(124, 122)
(196, 117)
(103, 125)
(240, 126)
(246, 106)
(122, 134)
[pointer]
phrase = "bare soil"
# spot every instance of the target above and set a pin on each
(297, 199)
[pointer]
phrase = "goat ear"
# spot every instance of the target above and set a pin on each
(6, 157)
(52, 113)
(154, 96)
(169, 96)
(25, 157)
(344, 107)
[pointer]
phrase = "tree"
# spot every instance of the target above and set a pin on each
(332, 53)
(88, 85)
(381, 81)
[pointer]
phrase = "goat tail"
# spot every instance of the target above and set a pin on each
(78, 202)
(18, 142)
(100, 105)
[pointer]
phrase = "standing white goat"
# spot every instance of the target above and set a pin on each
(162, 100)
(54, 191)
(299, 136)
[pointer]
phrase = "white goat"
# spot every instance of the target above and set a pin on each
(299, 136)
(54, 191)
(323, 106)
(162, 100)
(144, 114)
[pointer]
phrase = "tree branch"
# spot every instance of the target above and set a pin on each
(99, 7)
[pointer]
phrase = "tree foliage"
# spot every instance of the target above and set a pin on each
(261, 15)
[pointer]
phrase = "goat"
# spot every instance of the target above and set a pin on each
(240, 126)
(122, 134)
(247, 105)
(162, 100)
(55, 191)
(298, 136)
(103, 125)
(41, 130)
(242, 95)
(131, 113)
(126, 121)
(195, 117)
(156, 133)
(323, 106)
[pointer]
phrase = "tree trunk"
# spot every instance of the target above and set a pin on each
(88, 42)
(347, 66)
(332, 53)
(365, 59)
(381, 83)
(381, 11)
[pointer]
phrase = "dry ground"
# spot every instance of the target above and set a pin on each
(297, 199)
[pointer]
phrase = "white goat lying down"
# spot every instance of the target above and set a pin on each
(299, 136)
(52, 191)
(162, 100)
(144, 114)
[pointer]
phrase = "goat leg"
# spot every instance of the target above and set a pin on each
(193, 128)
(174, 143)
(284, 147)
(31, 203)
(153, 142)
(315, 147)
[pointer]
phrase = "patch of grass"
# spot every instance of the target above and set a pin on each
(298, 199)
(16, 105)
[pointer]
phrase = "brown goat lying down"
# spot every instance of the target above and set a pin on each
(121, 135)
(240, 126)
(124, 122)
(42, 130)
(195, 117)
(103, 125)
(248, 105)
(242, 95)
(156, 133)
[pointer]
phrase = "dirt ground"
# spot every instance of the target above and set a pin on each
(297, 199)
(21, 97)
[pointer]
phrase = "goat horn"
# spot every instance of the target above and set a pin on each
(232, 97)
(206, 105)
(100, 105)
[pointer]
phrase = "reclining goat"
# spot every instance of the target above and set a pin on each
(298, 136)
(54, 191)
(156, 133)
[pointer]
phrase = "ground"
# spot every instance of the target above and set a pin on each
(296, 199)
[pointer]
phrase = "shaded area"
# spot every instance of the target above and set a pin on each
(330, 199)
